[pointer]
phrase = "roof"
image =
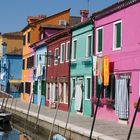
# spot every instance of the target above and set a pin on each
(58, 35)
(41, 20)
(53, 26)
(16, 51)
(13, 34)
(114, 8)
(74, 20)
(81, 24)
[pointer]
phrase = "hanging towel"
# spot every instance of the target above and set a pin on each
(78, 97)
(121, 99)
(2, 75)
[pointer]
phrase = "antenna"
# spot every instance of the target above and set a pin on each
(88, 5)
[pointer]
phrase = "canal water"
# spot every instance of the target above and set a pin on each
(36, 133)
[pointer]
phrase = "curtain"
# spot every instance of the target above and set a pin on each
(78, 97)
(121, 99)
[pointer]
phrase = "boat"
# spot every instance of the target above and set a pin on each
(58, 137)
(5, 118)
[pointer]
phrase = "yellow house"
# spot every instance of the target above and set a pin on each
(31, 35)
(14, 41)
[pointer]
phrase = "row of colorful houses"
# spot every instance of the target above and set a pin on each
(71, 61)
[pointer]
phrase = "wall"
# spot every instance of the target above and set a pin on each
(127, 59)
(81, 67)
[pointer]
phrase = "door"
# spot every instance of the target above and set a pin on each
(79, 95)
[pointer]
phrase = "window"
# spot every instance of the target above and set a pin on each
(63, 22)
(117, 35)
(61, 92)
(56, 56)
(62, 55)
(88, 88)
(47, 91)
(73, 88)
(24, 40)
(74, 49)
(49, 58)
(67, 51)
(99, 44)
(23, 64)
(27, 87)
(30, 62)
(65, 88)
(28, 37)
(89, 46)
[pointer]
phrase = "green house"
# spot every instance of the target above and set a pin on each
(81, 68)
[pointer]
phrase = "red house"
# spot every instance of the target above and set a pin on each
(58, 56)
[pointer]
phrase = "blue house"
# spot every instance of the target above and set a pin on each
(11, 64)
(11, 68)
(81, 66)
(40, 50)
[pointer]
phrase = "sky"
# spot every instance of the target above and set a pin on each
(14, 13)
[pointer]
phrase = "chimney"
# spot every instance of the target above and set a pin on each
(32, 19)
(84, 15)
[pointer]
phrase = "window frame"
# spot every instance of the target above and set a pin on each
(74, 59)
(24, 39)
(114, 36)
(87, 46)
(56, 60)
(86, 87)
(61, 53)
(73, 97)
(67, 51)
(49, 58)
(97, 39)
(29, 37)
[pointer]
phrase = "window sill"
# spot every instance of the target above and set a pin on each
(87, 60)
(73, 62)
(116, 49)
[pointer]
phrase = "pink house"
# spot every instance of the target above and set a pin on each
(117, 35)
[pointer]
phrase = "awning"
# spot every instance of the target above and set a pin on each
(14, 81)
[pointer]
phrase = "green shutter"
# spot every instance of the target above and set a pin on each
(118, 35)
(100, 36)
(43, 87)
(35, 87)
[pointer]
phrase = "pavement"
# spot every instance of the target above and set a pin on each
(105, 130)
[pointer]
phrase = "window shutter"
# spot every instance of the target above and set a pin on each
(100, 32)
(35, 87)
(118, 32)
(43, 87)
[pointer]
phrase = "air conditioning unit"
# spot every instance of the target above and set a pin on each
(62, 22)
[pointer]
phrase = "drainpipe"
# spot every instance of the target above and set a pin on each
(69, 104)
(93, 77)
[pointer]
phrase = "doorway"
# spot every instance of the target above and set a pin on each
(79, 95)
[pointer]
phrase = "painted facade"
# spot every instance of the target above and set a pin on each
(40, 49)
(81, 68)
(58, 55)
(31, 35)
(11, 58)
(117, 36)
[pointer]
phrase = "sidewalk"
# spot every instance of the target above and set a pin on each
(103, 129)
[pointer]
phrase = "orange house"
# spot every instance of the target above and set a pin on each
(31, 35)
